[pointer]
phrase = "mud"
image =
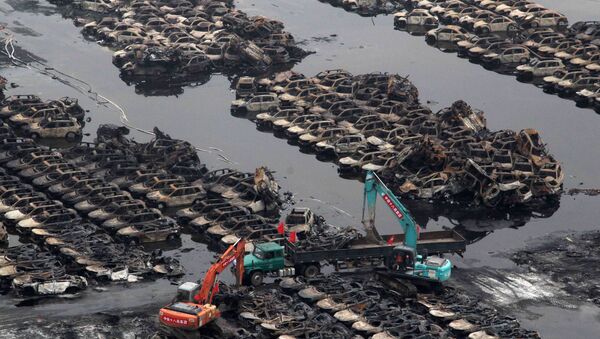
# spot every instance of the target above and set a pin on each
(569, 259)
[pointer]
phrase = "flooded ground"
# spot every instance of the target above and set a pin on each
(341, 40)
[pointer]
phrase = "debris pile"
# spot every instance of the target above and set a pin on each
(516, 38)
(345, 306)
(375, 122)
(182, 41)
(571, 259)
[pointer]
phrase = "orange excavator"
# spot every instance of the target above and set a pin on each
(193, 308)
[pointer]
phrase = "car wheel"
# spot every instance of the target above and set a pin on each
(523, 61)
(134, 242)
(534, 24)
(71, 136)
(485, 30)
(311, 271)
(431, 39)
(511, 28)
(172, 237)
(562, 23)
(161, 206)
(158, 72)
(34, 136)
(256, 278)
(197, 201)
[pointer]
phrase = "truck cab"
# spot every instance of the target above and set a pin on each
(265, 258)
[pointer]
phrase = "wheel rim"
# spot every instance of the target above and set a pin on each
(256, 279)
(311, 271)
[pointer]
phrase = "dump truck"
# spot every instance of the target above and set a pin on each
(407, 254)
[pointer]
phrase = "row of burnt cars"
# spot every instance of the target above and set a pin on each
(46, 197)
(181, 39)
(517, 37)
(35, 118)
(375, 122)
(361, 306)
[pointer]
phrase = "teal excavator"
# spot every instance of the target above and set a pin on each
(408, 262)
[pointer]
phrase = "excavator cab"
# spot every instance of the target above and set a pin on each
(403, 258)
(187, 291)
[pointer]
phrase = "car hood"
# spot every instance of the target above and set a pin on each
(348, 161)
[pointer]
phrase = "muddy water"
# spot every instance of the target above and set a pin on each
(340, 40)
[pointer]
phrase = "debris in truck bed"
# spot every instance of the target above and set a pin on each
(375, 122)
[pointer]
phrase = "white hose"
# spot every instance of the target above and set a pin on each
(9, 51)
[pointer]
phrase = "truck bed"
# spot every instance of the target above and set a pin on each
(358, 252)
(435, 242)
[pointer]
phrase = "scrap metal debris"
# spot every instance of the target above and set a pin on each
(375, 122)
(355, 306)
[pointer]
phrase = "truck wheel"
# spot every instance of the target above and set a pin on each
(311, 271)
(256, 278)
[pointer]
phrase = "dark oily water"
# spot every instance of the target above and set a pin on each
(201, 116)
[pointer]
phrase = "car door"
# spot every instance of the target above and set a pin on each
(507, 56)
(254, 104)
(444, 34)
(267, 103)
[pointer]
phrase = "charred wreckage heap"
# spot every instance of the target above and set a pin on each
(375, 122)
(520, 38)
(360, 306)
(181, 40)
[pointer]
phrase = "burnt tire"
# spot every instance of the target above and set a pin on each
(256, 278)
(311, 271)
(430, 39)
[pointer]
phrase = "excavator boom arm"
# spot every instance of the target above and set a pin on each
(235, 253)
(375, 187)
